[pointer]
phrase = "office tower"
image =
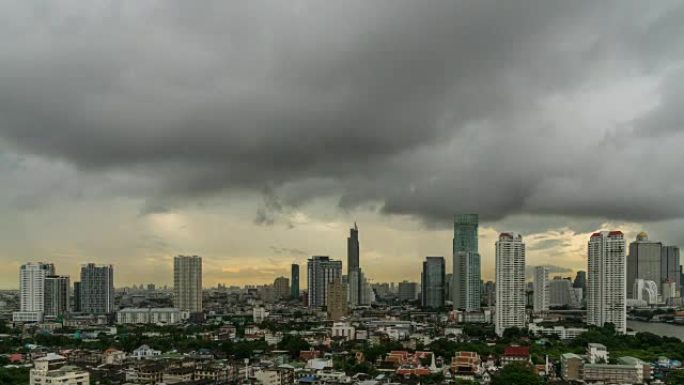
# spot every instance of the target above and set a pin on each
(321, 270)
(77, 297)
(561, 293)
(407, 291)
(281, 288)
(187, 283)
(670, 269)
(355, 279)
(466, 276)
(448, 286)
(57, 295)
(643, 262)
(580, 280)
(336, 300)
(541, 289)
(511, 294)
(294, 276)
(606, 289)
(32, 291)
(490, 293)
(97, 289)
(432, 283)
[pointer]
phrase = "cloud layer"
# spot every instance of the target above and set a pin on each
(541, 109)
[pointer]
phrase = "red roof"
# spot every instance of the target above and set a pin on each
(616, 232)
(595, 235)
(517, 351)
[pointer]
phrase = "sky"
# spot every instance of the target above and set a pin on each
(255, 133)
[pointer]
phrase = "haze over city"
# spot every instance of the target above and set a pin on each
(134, 132)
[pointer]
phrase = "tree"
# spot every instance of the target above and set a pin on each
(517, 373)
(675, 377)
(293, 344)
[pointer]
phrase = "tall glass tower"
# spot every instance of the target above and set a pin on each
(466, 276)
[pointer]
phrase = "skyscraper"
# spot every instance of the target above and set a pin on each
(355, 279)
(541, 289)
(432, 283)
(466, 276)
(580, 281)
(77, 297)
(670, 268)
(606, 289)
(407, 291)
(321, 270)
(281, 288)
(57, 295)
(643, 262)
(294, 288)
(32, 291)
(187, 283)
(510, 282)
(561, 293)
(97, 289)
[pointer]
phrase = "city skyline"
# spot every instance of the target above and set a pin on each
(554, 270)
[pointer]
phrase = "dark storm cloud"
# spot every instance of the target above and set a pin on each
(425, 108)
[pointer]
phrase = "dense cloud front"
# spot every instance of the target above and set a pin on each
(553, 107)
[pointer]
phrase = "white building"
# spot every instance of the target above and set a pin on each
(645, 291)
(32, 291)
(541, 289)
(259, 314)
(597, 353)
(344, 330)
(167, 316)
(562, 332)
(144, 352)
(510, 282)
(606, 289)
(51, 370)
(187, 283)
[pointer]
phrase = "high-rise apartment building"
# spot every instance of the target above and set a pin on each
(606, 280)
(466, 266)
(643, 262)
(321, 270)
(281, 288)
(561, 293)
(432, 283)
(336, 300)
(57, 302)
(294, 276)
(187, 283)
(670, 268)
(32, 291)
(541, 289)
(407, 291)
(511, 294)
(97, 289)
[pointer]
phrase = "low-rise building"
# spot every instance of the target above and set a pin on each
(597, 353)
(562, 332)
(144, 352)
(343, 330)
(465, 364)
(515, 353)
(50, 370)
(571, 367)
(133, 315)
(613, 374)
